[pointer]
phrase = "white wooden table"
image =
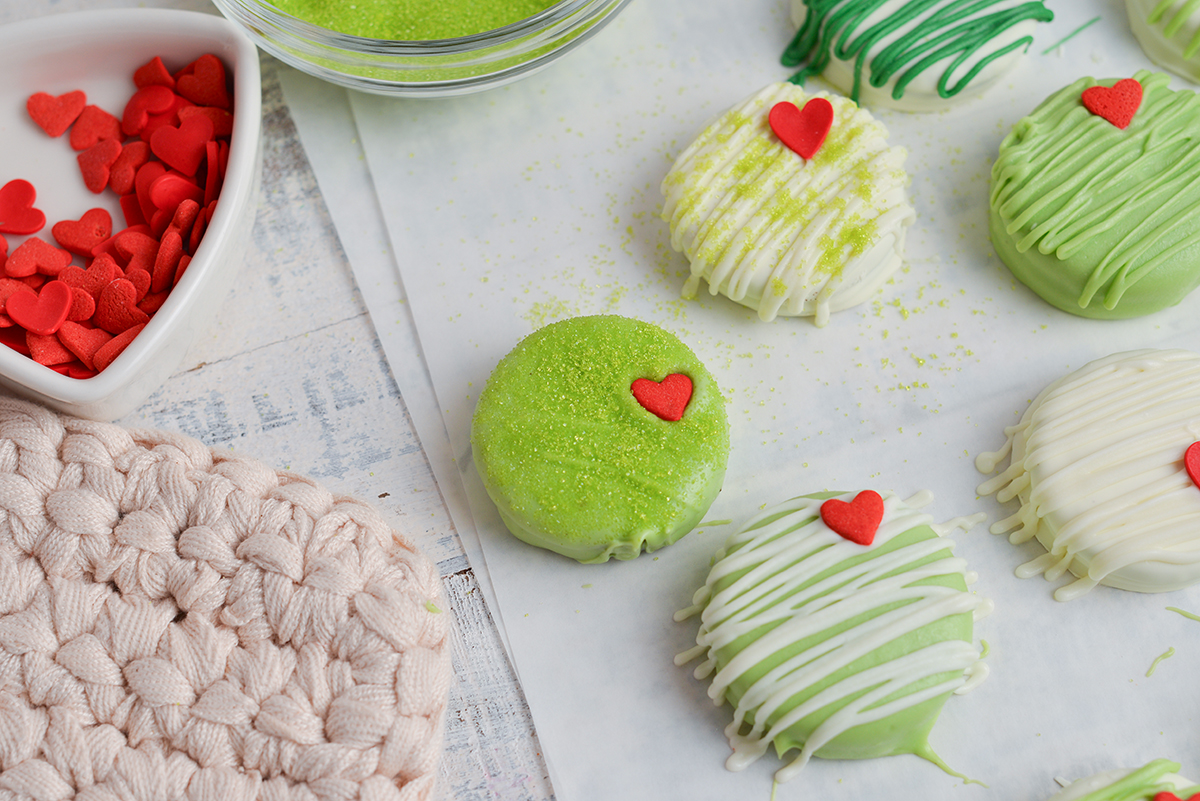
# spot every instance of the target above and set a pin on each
(292, 374)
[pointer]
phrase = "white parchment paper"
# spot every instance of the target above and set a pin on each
(540, 200)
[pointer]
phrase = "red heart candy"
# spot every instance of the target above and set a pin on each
(169, 252)
(83, 342)
(183, 148)
(100, 273)
(802, 130)
(110, 350)
(54, 115)
(1191, 461)
(170, 189)
(169, 118)
(46, 350)
(36, 255)
(42, 313)
(8, 288)
(144, 102)
(96, 162)
(212, 176)
(131, 210)
(124, 169)
(222, 120)
(153, 73)
(80, 236)
(666, 400)
(141, 183)
(1169, 796)
(203, 82)
(17, 214)
(93, 125)
(1117, 103)
(857, 520)
(138, 249)
(117, 310)
(141, 280)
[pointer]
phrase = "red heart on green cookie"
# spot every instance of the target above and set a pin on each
(802, 130)
(1117, 103)
(857, 520)
(667, 399)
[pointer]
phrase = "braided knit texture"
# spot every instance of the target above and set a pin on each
(183, 623)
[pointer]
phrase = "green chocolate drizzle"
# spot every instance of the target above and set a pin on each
(1141, 785)
(943, 29)
(1172, 24)
(1114, 208)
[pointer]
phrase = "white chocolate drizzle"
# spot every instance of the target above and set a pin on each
(1097, 461)
(785, 568)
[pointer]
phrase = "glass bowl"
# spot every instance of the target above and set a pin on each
(433, 68)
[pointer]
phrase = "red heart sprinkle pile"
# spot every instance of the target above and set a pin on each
(666, 400)
(1169, 796)
(802, 130)
(77, 318)
(1191, 462)
(1117, 103)
(857, 520)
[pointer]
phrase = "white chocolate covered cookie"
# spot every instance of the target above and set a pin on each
(1099, 462)
(1169, 33)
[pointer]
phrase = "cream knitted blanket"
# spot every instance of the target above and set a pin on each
(183, 623)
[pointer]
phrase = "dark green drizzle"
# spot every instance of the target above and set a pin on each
(832, 29)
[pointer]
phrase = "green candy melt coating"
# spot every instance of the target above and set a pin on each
(1099, 221)
(1142, 784)
(412, 20)
(572, 460)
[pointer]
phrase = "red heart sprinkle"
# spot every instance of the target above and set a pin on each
(802, 130)
(109, 351)
(83, 342)
(146, 101)
(36, 255)
(54, 115)
(1191, 461)
(666, 400)
(203, 82)
(857, 520)
(141, 183)
(1117, 104)
(96, 162)
(124, 169)
(83, 305)
(153, 73)
(169, 252)
(46, 350)
(183, 148)
(117, 310)
(80, 236)
(42, 313)
(1169, 796)
(170, 189)
(8, 288)
(93, 125)
(222, 120)
(100, 273)
(141, 280)
(17, 214)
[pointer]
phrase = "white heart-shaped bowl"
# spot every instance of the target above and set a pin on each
(98, 52)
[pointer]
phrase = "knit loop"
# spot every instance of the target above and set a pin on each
(183, 623)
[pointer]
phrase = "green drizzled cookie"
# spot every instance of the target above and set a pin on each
(576, 462)
(1143, 784)
(1102, 221)
(911, 54)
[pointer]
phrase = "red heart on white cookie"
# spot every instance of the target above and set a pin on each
(857, 520)
(1191, 462)
(802, 130)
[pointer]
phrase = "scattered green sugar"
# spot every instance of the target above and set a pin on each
(412, 20)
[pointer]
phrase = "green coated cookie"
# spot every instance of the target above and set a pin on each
(576, 463)
(1102, 221)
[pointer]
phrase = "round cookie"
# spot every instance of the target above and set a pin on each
(1101, 220)
(912, 55)
(782, 232)
(1103, 464)
(574, 439)
(1169, 33)
(839, 625)
(1155, 781)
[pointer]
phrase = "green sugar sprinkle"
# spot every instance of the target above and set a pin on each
(412, 20)
(432, 607)
(1164, 655)
(1071, 35)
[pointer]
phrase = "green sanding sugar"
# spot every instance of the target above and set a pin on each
(412, 20)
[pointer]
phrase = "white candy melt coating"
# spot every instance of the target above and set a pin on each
(783, 548)
(781, 234)
(1098, 465)
(1078, 789)
(921, 94)
(1169, 33)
